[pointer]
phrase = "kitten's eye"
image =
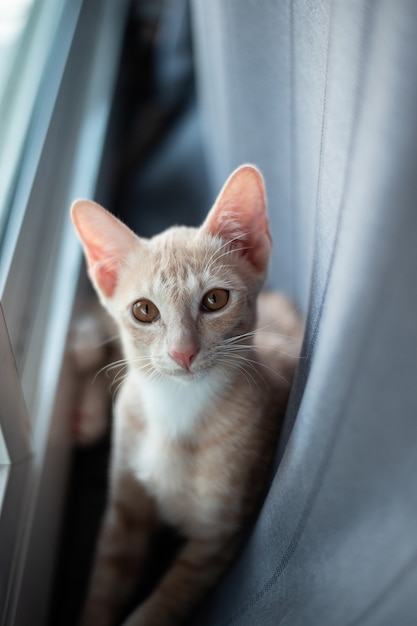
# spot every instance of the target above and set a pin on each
(145, 311)
(215, 300)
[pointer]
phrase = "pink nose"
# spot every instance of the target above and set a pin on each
(184, 356)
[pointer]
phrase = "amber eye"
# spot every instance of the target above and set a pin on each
(214, 300)
(145, 311)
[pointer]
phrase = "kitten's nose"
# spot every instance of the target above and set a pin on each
(185, 355)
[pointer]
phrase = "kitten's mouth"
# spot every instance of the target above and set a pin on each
(188, 374)
(181, 373)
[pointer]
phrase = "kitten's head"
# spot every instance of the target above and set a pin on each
(180, 296)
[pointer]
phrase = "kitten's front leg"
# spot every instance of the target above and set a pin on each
(121, 549)
(192, 574)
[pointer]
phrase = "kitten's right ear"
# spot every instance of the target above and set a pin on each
(240, 216)
(107, 243)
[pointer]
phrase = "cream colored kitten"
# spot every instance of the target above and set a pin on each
(198, 414)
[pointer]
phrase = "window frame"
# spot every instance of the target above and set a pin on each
(39, 267)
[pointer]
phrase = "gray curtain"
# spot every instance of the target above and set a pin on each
(322, 96)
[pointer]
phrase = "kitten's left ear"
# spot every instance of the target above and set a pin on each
(107, 244)
(239, 215)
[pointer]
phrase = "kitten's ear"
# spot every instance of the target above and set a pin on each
(106, 241)
(239, 214)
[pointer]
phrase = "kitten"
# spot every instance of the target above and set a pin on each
(198, 414)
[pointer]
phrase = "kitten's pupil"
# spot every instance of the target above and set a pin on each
(145, 311)
(215, 300)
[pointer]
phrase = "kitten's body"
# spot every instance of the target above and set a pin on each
(197, 417)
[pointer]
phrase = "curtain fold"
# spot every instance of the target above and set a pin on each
(322, 96)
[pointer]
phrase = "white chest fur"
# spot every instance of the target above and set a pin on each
(174, 407)
(173, 410)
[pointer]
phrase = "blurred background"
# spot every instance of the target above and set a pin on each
(147, 106)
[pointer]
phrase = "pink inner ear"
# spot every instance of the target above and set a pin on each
(102, 265)
(239, 214)
(107, 244)
(106, 278)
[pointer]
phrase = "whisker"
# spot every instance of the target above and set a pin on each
(244, 366)
(117, 382)
(122, 363)
(107, 341)
(121, 375)
(106, 369)
(233, 353)
(278, 349)
(258, 331)
(231, 363)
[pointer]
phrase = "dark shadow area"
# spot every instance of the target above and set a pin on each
(86, 501)
(152, 176)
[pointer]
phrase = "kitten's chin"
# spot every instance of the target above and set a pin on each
(199, 372)
(183, 375)
(187, 375)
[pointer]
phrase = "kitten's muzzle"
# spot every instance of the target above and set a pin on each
(184, 355)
